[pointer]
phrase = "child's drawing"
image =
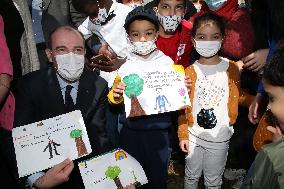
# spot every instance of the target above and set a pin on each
(133, 90)
(112, 173)
(51, 146)
(113, 170)
(81, 147)
(43, 144)
(154, 89)
(161, 101)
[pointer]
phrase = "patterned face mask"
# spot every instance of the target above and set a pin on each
(102, 16)
(143, 47)
(170, 23)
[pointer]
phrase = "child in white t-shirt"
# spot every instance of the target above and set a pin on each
(206, 128)
(146, 138)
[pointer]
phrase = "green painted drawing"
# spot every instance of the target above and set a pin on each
(134, 87)
(112, 173)
(77, 135)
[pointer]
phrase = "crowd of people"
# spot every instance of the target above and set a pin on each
(232, 53)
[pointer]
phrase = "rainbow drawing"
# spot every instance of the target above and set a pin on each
(119, 155)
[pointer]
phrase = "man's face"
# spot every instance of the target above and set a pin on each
(63, 42)
(171, 7)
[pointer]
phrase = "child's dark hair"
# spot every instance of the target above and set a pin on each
(190, 9)
(208, 17)
(273, 71)
(140, 13)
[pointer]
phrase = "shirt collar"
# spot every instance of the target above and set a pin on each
(63, 83)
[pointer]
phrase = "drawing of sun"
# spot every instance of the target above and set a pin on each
(179, 69)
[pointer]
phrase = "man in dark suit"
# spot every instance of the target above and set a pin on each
(63, 87)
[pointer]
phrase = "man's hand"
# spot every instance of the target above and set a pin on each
(253, 114)
(105, 50)
(56, 175)
(118, 90)
(256, 60)
(277, 133)
(184, 145)
(109, 66)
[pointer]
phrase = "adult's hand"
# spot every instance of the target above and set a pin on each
(109, 66)
(56, 175)
(256, 60)
(105, 50)
(253, 114)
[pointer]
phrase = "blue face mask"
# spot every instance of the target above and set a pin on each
(215, 4)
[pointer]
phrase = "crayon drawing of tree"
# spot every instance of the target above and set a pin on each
(134, 87)
(81, 148)
(112, 172)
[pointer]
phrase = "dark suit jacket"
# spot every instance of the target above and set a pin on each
(38, 97)
(59, 13)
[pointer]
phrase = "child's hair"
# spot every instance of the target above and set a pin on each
(273, 71)
(140, 13)
(189, 12)
(207, 18)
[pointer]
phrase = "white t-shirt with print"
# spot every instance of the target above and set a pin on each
(211, 91)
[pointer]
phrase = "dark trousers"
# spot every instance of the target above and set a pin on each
(8, 165)
(241, 151)
(112, 125)
(151, 149)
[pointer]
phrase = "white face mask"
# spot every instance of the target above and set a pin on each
(102, 15)
(70, 66)
(207, 48)
(170, 23)
(143, 48)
